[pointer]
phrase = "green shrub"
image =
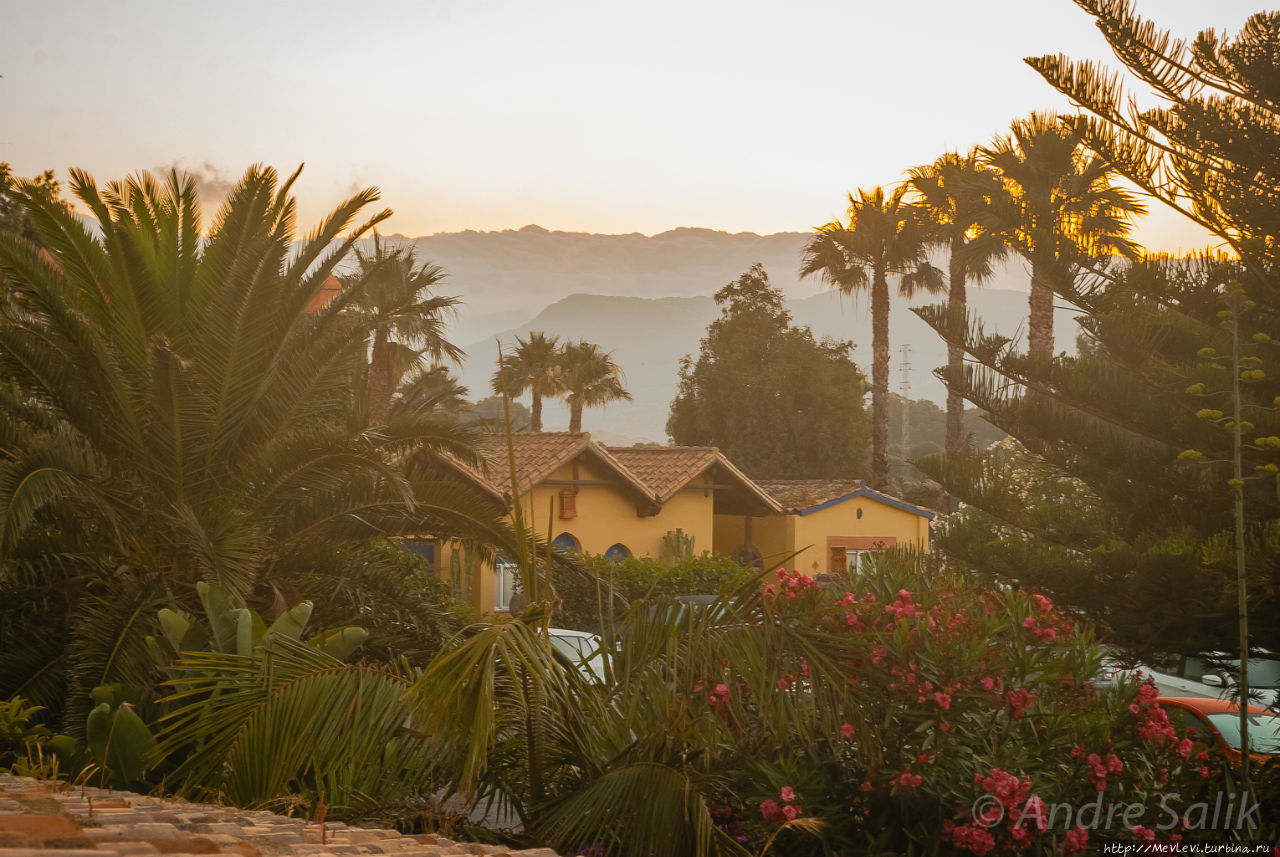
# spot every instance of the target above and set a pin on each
(583, 602)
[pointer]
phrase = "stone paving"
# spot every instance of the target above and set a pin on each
(44, 819)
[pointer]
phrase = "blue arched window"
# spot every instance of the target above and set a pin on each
(618, 551)
(567, 542)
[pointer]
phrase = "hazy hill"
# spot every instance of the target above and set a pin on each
(648, 336)
(527, 269)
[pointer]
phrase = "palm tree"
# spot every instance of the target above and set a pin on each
(1061, 210)
(406, 321)
(956, 194)
(535, 366)
(173, 413)
(884, 235)
(591, 379)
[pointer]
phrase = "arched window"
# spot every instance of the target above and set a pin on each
(567, 542)
(618, 551)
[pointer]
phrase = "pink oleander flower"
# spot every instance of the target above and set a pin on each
(787, 793)
(722, 690)
(846, 729)
(1143, 833)
(943, 699)
(1184, 747)
(1077, 838)
(790, 812)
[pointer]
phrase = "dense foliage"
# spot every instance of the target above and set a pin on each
(176, 409)
(901, 711)
(1129, 511)
(589, 603)
(777, 403)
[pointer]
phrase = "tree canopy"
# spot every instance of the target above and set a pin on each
(1119, 494)
(777, 402)
(176, 410)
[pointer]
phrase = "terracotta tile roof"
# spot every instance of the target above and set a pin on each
(667, 469)
(801, 496)
(797, 494)
(328, 291)
(538, 455)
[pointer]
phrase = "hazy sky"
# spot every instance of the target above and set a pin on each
(586, 116)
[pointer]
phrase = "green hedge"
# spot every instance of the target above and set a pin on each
(582, 599)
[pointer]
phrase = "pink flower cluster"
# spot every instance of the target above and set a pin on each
(906, 781)
(903, 606)
(1076, 840)
(1047, 635)
(1023, 815)
(1019, 701)
(974, 838)
(791, 585)
(1153, 722)
(781, 814)
(1100, 768)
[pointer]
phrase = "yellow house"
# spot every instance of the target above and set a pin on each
(593, 499)
(828, 525)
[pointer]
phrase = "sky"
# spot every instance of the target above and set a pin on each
(580, 116)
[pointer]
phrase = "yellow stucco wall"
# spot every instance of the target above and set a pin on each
(778, 536)
(772, 535)
(879, 520)
(606, 515)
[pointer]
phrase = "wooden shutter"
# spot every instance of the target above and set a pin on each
(568, 504)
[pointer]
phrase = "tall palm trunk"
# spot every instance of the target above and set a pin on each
(1040, 314)
(880, 379)
(957, 304)
(575, 418)
(381, 384)
(535, 417)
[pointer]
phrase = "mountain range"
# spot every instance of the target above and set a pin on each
(648, 300)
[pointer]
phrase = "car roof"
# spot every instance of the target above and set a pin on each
(568, 632)
(1209, 705)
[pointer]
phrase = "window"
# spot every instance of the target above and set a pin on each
(567, 542)
(853, 553)
(506, 582)
(425, 548)
(618, 551)
(568, 504)
(847, 559)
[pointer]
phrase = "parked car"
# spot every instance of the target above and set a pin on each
(1216, 722)
(1213, 673)
(582, 649)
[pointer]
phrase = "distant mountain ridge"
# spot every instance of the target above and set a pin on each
(647, 298)
(648, 336)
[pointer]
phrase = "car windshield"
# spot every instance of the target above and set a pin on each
(1264, 731)
(574, 648)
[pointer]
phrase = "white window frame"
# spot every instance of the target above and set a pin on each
(506, 583)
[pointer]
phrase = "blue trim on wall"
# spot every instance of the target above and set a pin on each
(873, 495)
